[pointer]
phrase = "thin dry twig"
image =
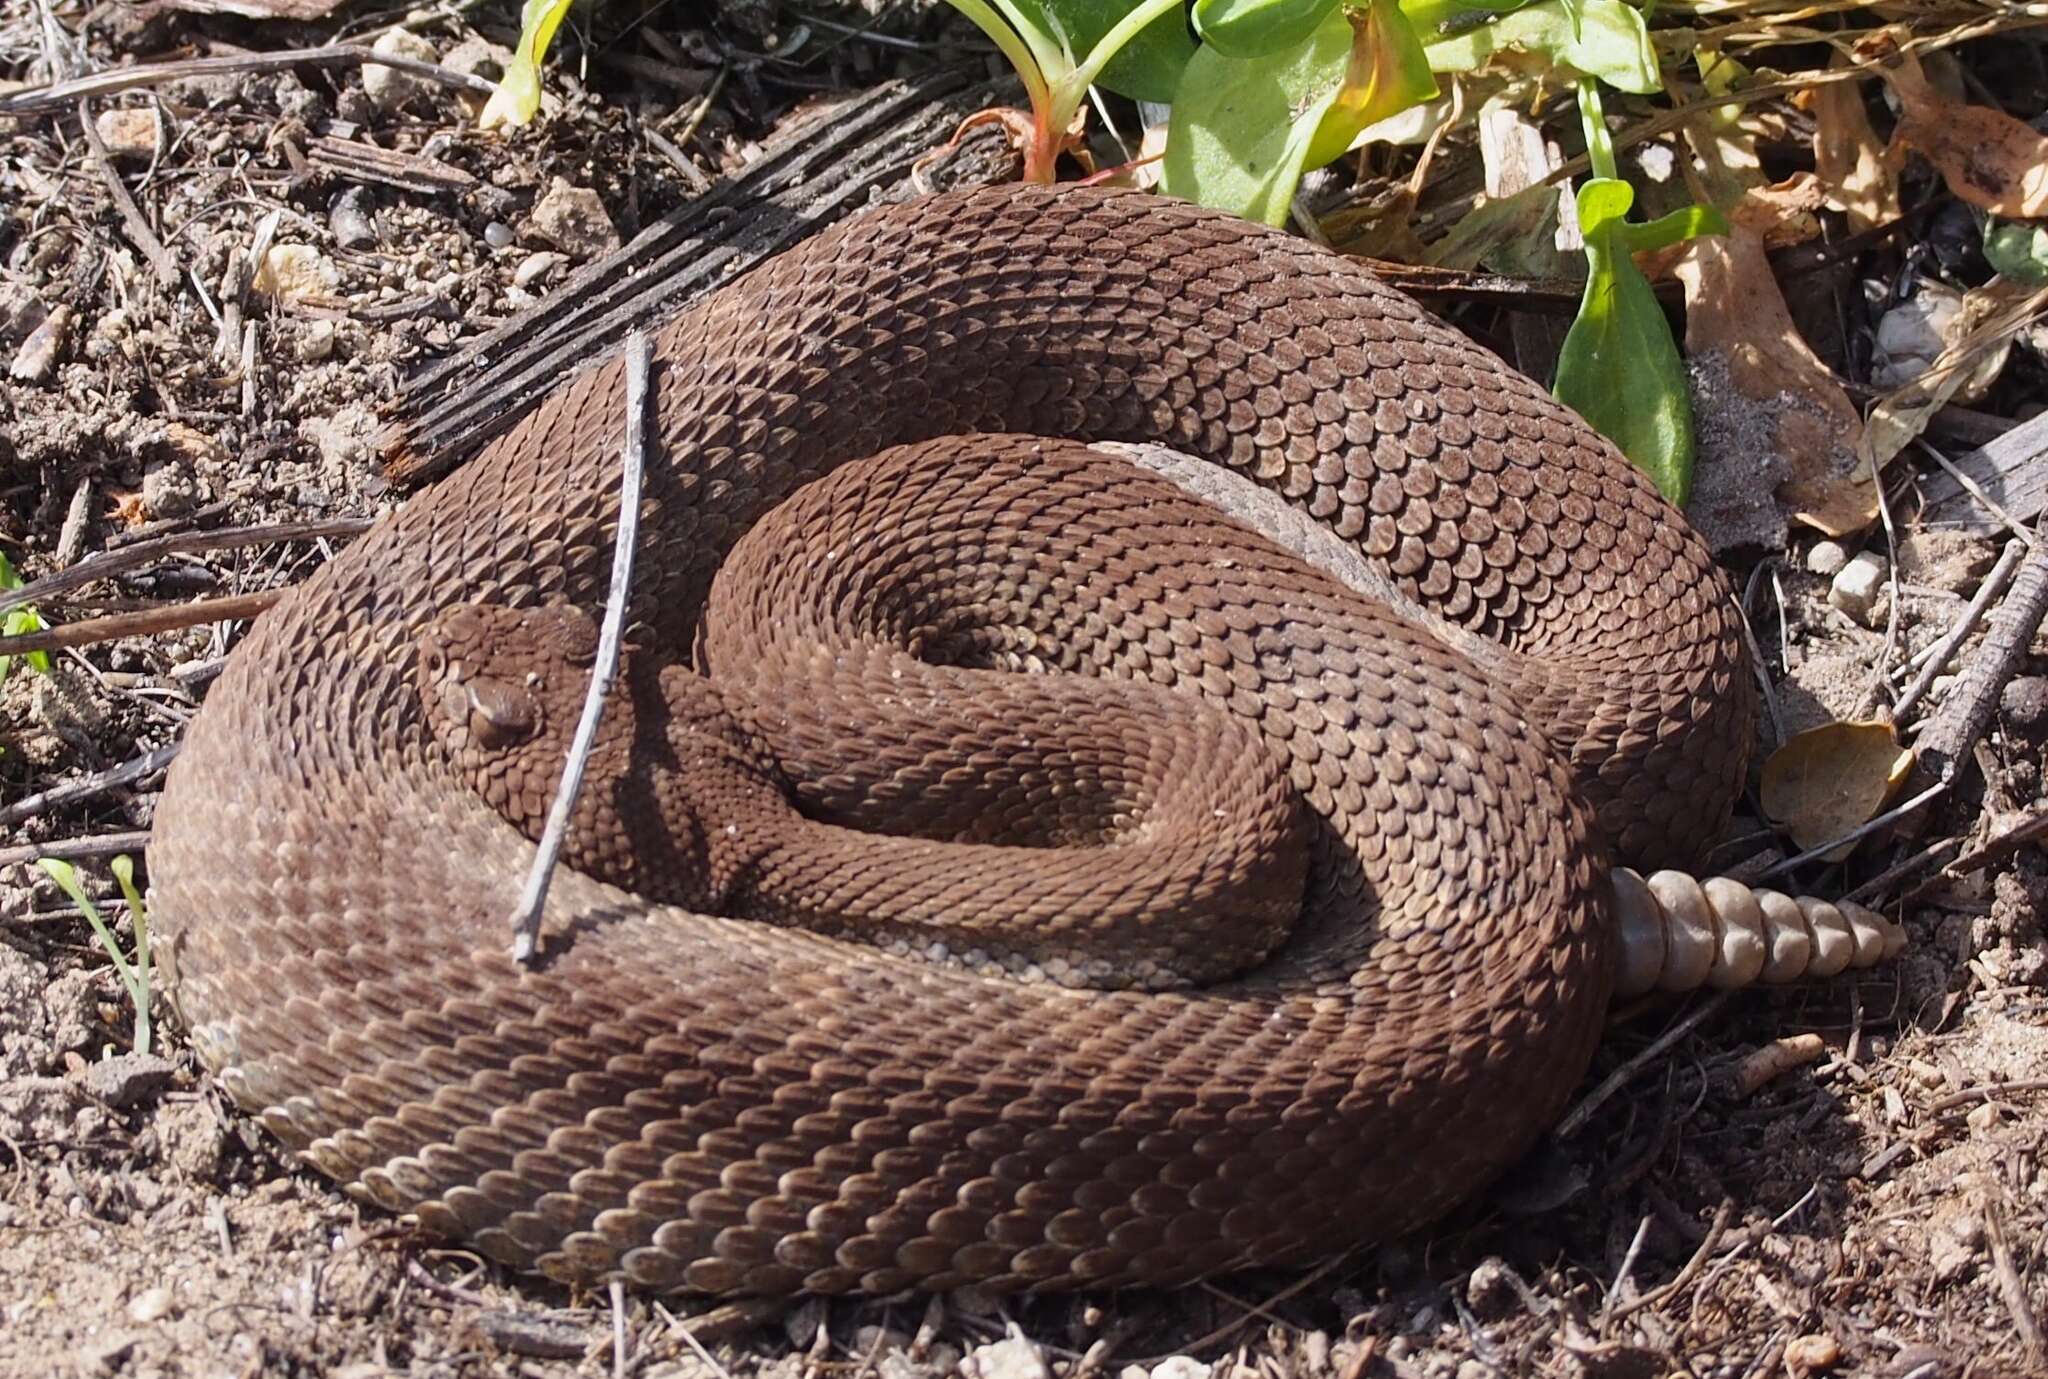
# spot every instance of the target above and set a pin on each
(108, 563)
(160, 261)
(2013, 1290)
(533, 895)
(1684, 1277)
(36, 99)
(1856, 834)
(1951, 735)
(1993, 585)
(72, 849)
(1622, 1076)
(141, 623)
(127, 773)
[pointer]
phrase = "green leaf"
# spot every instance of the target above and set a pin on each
(1620, 368)
(1605, 39)
(1245, 129)
(1388, 72)
(2017, 250)
(1687, 222)
(20, 622)
(1147, 68)
(1441, 18)
(134, 979)
(1254, 28)
(1241, 127)
(517, 98)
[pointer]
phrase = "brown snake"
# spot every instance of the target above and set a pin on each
(695, 1102)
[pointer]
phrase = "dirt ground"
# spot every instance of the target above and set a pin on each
(1877, 1209)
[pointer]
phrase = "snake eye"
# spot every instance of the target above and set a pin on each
(433, 663)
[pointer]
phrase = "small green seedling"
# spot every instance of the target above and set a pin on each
(19, 622)
(134, 975)
(1620, 368)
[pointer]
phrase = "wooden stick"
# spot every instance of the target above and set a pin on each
(106, 564)
(142, 623)
(101, 845)
(134, 769)
(36, 99)
(533, 896)
(1951, 735)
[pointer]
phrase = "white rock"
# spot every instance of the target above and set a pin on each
(1857, 586)
(1827, 558)
(1014, 1357)
(574, 220)
(128, 132)
(296, 272)
(387, 87)
(151, 1305)
(1180, 1367)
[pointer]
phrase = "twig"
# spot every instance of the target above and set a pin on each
(1898, 871)
(2014, 1291)
(148, 764)
(57, 94)
(1994, 583)
(1628, 1266)
(99, 845)
(1951, 735)
(2026, 830)
(145, 239)
(1862, 830)
(1984, 1091)
(618, 1293)
(1685, 1276)
(1620, 1077)
(690, 1339)
(141, 623)
(108, 563)
(533, 896)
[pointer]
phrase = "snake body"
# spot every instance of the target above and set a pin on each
(689, 1101)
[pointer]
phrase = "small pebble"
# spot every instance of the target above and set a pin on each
(1856, 587)
(169, 490)
(497, 234)
(317, 342)
(536, 267)
(150, 1305)
(1011, 1358)
(574, 220)
(1180, 1367)
(1811, 1354)
(296, 272)
(1827, 558)
(387, 87)
(37, 358)
(128, 132)
(2024, 701)
(351, 221)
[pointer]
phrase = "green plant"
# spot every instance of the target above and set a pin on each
(17, 622)
(134, 975)
(1277, 88)
(1620, 368)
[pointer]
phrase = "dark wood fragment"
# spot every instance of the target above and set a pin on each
(838, 160)
(2013, 472)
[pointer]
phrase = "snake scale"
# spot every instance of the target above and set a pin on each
(691, 1101)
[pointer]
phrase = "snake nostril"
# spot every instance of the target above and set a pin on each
(500, 714)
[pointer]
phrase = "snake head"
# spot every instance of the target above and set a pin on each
(495, 678)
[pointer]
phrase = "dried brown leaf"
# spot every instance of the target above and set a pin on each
(1981, 336)
(1828, 780)
(1734, 310)
(1987, 157)
(1849, 160)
